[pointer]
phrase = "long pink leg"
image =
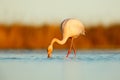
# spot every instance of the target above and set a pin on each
(69, 51)
(74, 50)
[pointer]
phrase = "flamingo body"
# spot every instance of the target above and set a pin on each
(71, 28)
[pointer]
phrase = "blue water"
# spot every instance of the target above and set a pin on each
(41, 56)
(34, 65)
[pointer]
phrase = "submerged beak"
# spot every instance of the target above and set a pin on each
(49, 54)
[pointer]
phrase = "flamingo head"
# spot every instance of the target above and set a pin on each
(83, 33)
(49, 51)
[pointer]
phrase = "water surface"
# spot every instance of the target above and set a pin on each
(34, 65)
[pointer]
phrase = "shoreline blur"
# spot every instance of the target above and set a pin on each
(22, 36)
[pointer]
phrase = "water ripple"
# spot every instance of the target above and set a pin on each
(85, 57)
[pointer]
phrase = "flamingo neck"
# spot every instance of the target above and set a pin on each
(61, 42)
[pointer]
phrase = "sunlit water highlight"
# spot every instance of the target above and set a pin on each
(34, 65)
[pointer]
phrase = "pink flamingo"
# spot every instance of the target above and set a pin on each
(71, 28)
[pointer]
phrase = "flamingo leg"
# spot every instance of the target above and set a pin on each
(69, 51)
(74, 50)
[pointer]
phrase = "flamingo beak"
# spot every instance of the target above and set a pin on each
(49, 53)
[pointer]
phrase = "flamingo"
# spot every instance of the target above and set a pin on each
(71, 28)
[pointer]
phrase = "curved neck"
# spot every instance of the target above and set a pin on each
(59, 41)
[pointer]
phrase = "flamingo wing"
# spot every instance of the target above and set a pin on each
(63, 24)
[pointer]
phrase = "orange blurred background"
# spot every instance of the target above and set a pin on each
(24, 36)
